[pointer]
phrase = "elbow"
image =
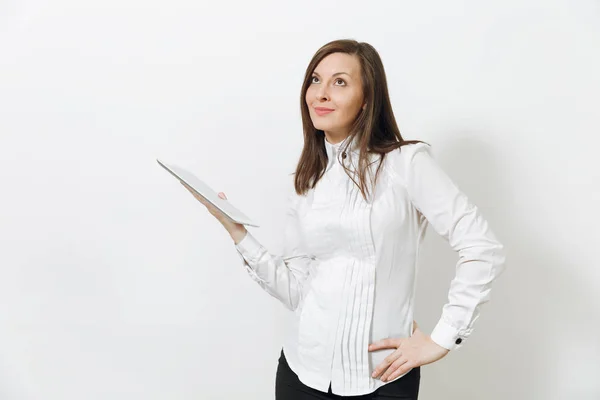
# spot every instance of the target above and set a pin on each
(500, 254)
(293, 303)
(495, 257)
(293, 300)
(490, 258)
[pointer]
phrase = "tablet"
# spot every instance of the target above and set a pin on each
(208, 193)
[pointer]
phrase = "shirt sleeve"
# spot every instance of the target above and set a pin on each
(282, 276)
(459, 221)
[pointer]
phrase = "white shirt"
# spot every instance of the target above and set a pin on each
(348, 267)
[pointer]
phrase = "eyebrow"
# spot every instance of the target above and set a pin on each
(336, 74)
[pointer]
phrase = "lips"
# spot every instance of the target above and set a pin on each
(323, 110)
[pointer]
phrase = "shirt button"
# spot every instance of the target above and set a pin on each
(344, 155)
(458, 341)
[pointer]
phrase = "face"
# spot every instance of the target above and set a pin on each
(334, 96)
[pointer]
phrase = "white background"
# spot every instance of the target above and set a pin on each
(117, 284)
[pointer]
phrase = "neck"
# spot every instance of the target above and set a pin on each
(334, 138)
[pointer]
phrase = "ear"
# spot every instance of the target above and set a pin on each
(364, 106)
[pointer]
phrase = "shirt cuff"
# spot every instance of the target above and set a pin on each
(447, 336)
(249, 248)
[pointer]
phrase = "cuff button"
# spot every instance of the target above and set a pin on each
(458, 341)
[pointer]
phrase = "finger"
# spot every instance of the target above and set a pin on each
(404, 368)
(415, 326)
(395, 369)
(222, 195)
(193, 192)
(381, 368)
(200, 198)
(389, 343)
(189, 188)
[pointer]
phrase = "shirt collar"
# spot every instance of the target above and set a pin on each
(333, 149)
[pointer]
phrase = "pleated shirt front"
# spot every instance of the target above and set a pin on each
(349, 265)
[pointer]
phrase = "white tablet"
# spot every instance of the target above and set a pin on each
(208, 193)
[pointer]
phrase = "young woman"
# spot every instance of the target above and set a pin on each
(363, 197)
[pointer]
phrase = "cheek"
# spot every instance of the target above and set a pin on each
(350, 108)
(309, 95)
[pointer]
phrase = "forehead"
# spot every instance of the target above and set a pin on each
(338, 62)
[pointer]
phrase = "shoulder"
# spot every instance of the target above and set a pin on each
(401, 160)
(408, 151)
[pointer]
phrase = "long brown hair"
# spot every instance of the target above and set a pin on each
(374, 131)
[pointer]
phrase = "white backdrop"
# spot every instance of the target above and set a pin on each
(116, 284)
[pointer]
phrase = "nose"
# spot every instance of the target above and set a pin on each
(321, 93)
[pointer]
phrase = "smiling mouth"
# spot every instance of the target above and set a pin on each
(323, 110)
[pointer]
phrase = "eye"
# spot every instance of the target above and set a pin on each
(312, 79)
(341, 80)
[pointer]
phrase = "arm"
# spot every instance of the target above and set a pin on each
(280, 276)
(454, 217)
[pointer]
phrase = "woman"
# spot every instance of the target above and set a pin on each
(362, 199)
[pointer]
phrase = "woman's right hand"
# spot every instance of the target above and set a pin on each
(236, 231)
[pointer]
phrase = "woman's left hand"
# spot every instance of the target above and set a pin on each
(410, 353)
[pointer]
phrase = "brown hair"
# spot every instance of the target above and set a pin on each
(375, 129)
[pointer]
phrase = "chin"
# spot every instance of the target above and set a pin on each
(324, 126)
